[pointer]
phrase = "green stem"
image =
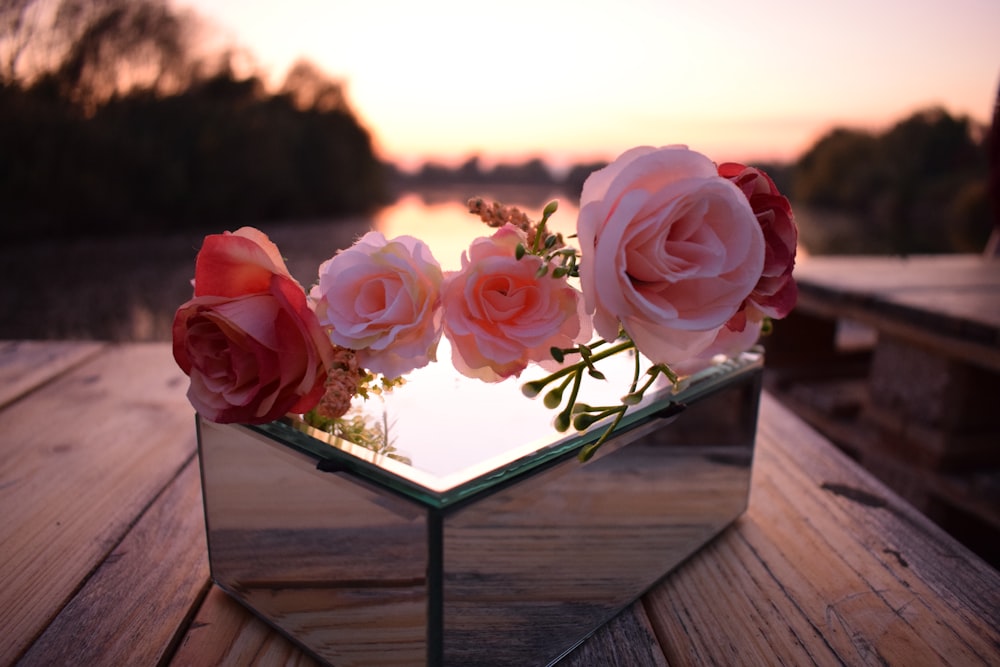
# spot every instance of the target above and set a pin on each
(635, 376)
(539, 233)
(580, 365)
(588, 452)
(564, 417)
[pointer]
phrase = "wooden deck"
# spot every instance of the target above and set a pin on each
(917, 404)
(103, 556)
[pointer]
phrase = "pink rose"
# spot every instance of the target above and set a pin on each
(669, 250)
(776, 292)
(248, 340)
(500, 315)
(739, 334)
(382, 299)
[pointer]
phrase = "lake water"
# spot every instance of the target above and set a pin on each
(128, 289)
(448, 228)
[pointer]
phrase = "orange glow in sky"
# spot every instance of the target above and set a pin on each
(580, 80)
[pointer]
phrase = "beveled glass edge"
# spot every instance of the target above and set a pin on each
(731, 370)
(426, 489)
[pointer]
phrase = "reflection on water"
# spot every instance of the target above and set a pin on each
(448, 227)
(128, 289)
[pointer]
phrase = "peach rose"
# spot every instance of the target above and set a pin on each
(669, 250)
(500, 315)
(382, 299)
(247, 339)
(776, 292)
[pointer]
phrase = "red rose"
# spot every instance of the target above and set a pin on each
(248, 340)
(776, 292)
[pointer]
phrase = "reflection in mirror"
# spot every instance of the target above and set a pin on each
(442, 430)
(519, 571)
(337, 565)
(552, 558)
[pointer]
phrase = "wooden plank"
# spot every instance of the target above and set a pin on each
(226, 633)
(888, 275)
(79, 463)
(828, 566)
(26, 365)
(948, 598)
(627, 639)
(129, 611)
(950, 303)
(985, 353)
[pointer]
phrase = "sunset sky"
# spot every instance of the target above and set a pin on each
(573, 81)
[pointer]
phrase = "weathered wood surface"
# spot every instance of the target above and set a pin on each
(26, 365)
(916, 406)
(102, 553)
(946, 302)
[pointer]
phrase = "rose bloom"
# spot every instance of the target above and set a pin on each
(669, 251)
(776, 292)
(499, 315)
(248, 339)
(382, 299)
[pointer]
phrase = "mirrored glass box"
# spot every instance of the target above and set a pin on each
(499, 546)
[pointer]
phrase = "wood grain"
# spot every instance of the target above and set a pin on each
(827, 566)
(79, 462)
(130, 609)
(224, 633)
(627, 641)
(26, 365)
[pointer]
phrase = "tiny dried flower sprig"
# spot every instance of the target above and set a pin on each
(345, 380)
(550, 246)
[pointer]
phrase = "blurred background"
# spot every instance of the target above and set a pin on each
(130, 128)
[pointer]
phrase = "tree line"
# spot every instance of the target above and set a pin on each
(111, 123)
(919, 186)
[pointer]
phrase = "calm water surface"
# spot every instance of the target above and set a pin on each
(128, 289)
(448, 228)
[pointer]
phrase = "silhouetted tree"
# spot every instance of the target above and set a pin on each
(577, 175)
(311, 89)
(917, 187)
(127, 132)
(530, 172)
